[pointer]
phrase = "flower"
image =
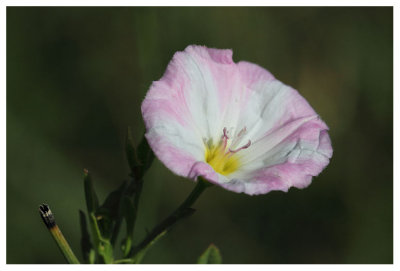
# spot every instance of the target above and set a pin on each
(234, 124)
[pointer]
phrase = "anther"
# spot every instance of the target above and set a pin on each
(225, 131)
(225, 137)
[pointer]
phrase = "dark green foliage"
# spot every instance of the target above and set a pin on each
(121, 204)
(140, 158)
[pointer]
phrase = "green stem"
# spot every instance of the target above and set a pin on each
(137, 193)
(63, 245)
(49, 221)
(103, 246)
(183, 211)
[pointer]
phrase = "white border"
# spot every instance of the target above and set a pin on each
(396, 134)
(3, 134)
(396, 112)
(198, 3)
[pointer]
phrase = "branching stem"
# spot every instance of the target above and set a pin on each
(183, 211)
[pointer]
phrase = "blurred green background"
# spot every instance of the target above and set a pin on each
(76, 78)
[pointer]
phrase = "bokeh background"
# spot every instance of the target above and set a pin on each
(76, 78)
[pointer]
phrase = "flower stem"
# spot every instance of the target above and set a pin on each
(183, 211)
(49, 221)
(139, 186)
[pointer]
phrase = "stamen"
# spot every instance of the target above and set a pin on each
(241, 148)
(238, 137)
(225, 138)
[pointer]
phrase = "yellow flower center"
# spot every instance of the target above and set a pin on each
(222, 162)
(222, 159)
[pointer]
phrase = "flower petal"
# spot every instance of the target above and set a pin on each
(302, 164)
(292, 162)
(203, 91)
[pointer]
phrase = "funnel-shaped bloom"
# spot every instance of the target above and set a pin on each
(234, 124)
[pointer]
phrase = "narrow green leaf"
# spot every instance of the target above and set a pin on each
(92, 256)
(126, 246)
(92, 202)
(130, 149)
(139, 157)
(112, 202)
(145, 156)
(86, 245)
(139, 256)
(210, 256)
(109, 212)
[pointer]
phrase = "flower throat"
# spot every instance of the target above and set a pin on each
(222, 158)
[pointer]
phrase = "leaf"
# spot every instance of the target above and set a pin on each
(92, 202)
(109, 212)
(130, 150)
(126, 246)
(210, 256)
(139, 158)
(86, 245)
(145, 155)
(112, 202)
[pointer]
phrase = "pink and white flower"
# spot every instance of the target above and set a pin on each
(233, 124)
